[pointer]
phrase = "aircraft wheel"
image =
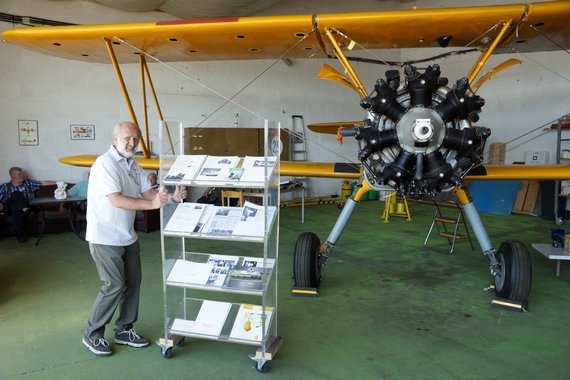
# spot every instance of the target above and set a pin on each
(306, 267)
(514, 280)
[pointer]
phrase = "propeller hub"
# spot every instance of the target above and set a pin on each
(420, 130)
(423, 130)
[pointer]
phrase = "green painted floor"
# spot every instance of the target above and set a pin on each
(388, 309)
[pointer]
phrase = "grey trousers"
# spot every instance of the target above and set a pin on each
(119, 269)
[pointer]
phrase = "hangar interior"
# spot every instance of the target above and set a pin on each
(385, 310)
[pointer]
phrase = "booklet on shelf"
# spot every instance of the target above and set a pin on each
(189, 272)
(222, 220)
(217, 168)
(222, 266)
(252, 220)
(185, 218)
(249, 274)
(254, 168)
(211, 318)
(248, 324)
(185, 168)
(181, 326)
(258, 262)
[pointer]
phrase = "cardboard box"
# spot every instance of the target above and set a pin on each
(536, 157)
(497, 153)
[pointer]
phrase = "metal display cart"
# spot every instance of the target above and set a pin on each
(220, 262)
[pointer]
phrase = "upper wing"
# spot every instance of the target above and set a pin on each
(534, 24)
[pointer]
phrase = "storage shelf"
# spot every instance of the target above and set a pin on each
(234, 327)
(224, 184)
(207, 294)
(220, 273)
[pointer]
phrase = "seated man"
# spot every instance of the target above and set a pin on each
(15, 199)
(153, 179)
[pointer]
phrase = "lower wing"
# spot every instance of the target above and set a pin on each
(353, 170)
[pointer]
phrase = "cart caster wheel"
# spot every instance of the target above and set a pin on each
(166, 353)
(181, 343)
(263, 369)
(339, 206)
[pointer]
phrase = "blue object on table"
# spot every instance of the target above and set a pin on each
(557, 235)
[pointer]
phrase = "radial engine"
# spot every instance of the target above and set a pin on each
(418, 135)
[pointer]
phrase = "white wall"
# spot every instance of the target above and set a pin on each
(58, 92)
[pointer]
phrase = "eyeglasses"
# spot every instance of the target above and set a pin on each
(134, 174)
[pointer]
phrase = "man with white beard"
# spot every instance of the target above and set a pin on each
(118, 187)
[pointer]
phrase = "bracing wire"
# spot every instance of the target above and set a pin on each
(231, 99)
(545, 129)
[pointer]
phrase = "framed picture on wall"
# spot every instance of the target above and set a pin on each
(28, 132)
(82, 132)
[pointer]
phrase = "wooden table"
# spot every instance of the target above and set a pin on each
(42, 203)
(553, 253)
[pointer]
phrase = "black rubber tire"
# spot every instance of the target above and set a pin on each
(263, 369)
(515, 279)
(306, 266)
(166, 353)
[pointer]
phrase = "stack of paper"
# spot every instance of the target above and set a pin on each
(189, 272)
(211, 318)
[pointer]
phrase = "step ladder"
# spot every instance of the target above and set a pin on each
(451, 228)
(298, 145)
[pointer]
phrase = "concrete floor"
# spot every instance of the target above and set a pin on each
(388, 309)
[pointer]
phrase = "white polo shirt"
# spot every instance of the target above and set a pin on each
(112, 173)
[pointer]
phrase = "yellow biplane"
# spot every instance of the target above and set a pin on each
(417, 134)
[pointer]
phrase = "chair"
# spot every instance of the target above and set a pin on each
(256, 198)
(232, 194)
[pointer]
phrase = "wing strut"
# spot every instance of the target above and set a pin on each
(478, 65)
(161, 117)
(142, 64)
(125, 92)
(342, 58)
(144, 72)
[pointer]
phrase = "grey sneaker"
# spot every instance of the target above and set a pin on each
(98, 346)
(130, 338)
